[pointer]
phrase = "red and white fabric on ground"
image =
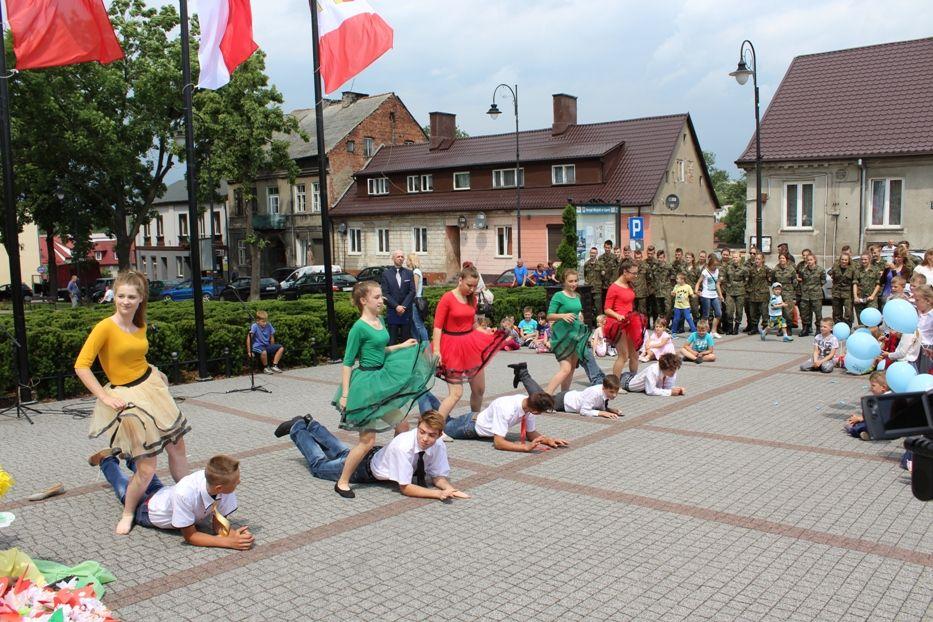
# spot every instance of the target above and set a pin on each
(226, 39)
(352, 37)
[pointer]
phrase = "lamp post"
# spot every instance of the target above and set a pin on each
(494, 112)
(741, 74)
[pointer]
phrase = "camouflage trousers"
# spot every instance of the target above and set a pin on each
(757, 310)
(735, 310)
(811, 308)
(860, 306)
(842, 309)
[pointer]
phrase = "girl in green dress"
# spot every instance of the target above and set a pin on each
(569, 334)
(376, 395)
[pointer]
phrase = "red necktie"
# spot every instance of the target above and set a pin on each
(524, 433)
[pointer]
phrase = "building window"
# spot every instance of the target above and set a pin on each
(503, 241)
(301, 251)
(420, 239)
(409, 142)
(147, 234)
(241, 254)
(179, 267)
(218, 230)
(382, 235)
(887, 196)
(414, 183)
(98, 255)
(272, 200)
(351, 146)
(505, 178)
(238, 202)
(378, 185)
(681, 170)
(355, 241)
(301, 198)
(427, 183)
(563, 174)
(142, 265)
(160, 230)
(462, 181)
(182, 228)
(798, 206)
(369, 146)
(155, 267)
(315, 197)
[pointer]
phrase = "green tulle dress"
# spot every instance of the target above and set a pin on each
(385, 385)
(568, 339)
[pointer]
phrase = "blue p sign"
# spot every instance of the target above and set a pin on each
(636, 228)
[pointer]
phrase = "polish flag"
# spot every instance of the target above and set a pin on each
(226, 39)
(352, 37)
(52, 33)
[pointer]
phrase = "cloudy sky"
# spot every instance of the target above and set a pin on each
(622, 59)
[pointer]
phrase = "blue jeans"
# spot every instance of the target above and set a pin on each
(118, 480)
(325, 453)
(679, 316)
(427, 402)
(706, 303)
(463, 427)
(592, 369)
(418, 330)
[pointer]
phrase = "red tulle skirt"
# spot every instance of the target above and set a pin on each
(464, 355)
(633, 326)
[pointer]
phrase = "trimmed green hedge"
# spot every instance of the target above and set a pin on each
(55, 336)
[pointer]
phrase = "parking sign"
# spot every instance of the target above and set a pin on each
(636, 228)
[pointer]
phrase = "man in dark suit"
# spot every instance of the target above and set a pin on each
(399, 293)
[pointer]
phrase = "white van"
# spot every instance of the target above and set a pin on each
(289, 281)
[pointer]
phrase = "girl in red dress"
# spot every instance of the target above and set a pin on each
(462, 347)
(624, 326)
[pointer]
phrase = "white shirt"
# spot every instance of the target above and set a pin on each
(708, 283)
(652, 381)
(908, 348)
(187, 503)
(925, 328)
(397, 460)
(587, 402)
(926, 271)
(502, 414)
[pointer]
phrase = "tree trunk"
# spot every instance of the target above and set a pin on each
(53, 266)
(255, 258)
(124, 238)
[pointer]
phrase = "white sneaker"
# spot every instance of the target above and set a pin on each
(446, 438)
(267, 370)
(276, 369)
(716, 335)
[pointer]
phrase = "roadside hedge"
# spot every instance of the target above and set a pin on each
(55, 335)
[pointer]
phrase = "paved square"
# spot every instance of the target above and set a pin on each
(741, 500)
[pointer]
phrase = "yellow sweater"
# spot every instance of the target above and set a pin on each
(122, 355)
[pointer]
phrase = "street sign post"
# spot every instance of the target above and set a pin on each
(636, 228)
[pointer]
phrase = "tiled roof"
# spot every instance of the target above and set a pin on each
(646, 153)
(339, 120)
(869, 101)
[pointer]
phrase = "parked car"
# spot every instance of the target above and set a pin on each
(239, 289)
(156, 287)
(280, 274)
(7, 294)
(372, 273)
(210, 289)
(296, 274)
(99, 287)
(314, 284)
(506, 279)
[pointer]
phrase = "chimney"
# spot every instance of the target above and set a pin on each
(565, 113)
(443, 128)
(350, 97)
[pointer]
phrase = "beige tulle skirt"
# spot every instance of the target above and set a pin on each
(150, 421)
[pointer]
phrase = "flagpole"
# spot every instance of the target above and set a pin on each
(194, 240)
(11, 235)
(322, 182)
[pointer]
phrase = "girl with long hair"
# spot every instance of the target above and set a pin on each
(624, 326)
(569, 334)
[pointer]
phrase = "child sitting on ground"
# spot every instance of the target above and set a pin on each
(855, 425)
(528, 328)
(514, 342)
(590, 402)
(825, 346)
(776, 306)
(261, 340)
(657, 379)
(682, 293)
(657, 342)
(699, 346)
(598, 339)
(543, 345)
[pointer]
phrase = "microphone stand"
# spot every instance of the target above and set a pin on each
(22, 412)
(252, 373)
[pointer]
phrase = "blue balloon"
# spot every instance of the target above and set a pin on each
(901, 316)
(842, 331)
(870, 316)
(863, 346)
(920, 382)
(882, 365)
(858, 366)
(898, 375)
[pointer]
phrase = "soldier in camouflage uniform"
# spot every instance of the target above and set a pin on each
(592, 276)
(735, 277)
(608, 267)
(865, 285)
(910, 262)
(812, 279)
(786, 274)
(641, 284)
(651, 264)
(678, 265)
(663, 285)
(842, 273)
(800, 266)
(759, 293)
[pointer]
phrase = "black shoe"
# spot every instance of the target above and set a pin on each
(518, 368)
(805, 332)
(346, 494)
(286, 426)
(698, 360)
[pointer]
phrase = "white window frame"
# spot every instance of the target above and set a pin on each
(142, 265)
(413, 183)
(182, 226)
(369, 146)
(315, 197)
(681, 171)
(419, 240)
(498, 177)
(427, 183)
(179, 267)
(354, 241)
(301, 198)
(383, 244)
(98, 255)
(272, 200)
(467, 186)
(241, 253)
(377, 186)
(568, 174)
(504, 247)
(798, 225)
(886, 224)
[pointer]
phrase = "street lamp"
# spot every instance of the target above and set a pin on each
(494, 112)
(741, 74)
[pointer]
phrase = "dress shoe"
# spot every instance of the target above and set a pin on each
(97, 458)
(518, 368)
(346, 494)
(286, 426)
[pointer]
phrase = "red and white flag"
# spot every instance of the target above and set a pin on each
(352, 37)
(226, 39)
(52, 33)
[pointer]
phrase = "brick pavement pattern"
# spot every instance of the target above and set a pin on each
(743, 500)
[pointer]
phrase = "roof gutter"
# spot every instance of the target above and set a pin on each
(861, 204)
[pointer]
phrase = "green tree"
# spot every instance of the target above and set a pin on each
(240, 126)
(567, 249)
(458, 133)
(734, 200)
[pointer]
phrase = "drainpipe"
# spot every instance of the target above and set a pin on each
(861, 205)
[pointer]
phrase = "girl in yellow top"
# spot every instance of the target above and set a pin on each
(134, 408)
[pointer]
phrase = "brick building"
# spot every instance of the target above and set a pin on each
(453, 199)
(287, 215)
